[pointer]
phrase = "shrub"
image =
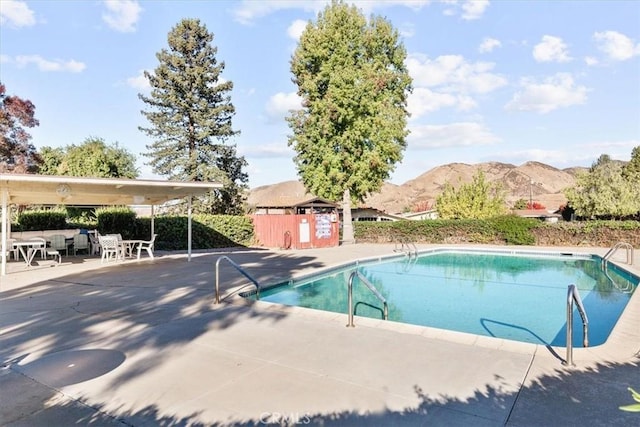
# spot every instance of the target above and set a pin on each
(509, 229)
(207, 231)
(117, 220)
(53, 219)
(515, 230)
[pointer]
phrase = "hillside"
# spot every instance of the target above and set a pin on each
(542, 182)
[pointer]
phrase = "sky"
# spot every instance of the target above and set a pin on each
(556, 82)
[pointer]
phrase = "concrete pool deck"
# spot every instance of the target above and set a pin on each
(141, 343)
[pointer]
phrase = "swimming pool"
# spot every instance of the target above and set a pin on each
(513, 295)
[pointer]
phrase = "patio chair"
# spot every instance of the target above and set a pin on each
(95, 244)
(80, 243)
(110, 248)
(147, 246)
(12, 250)
(59, 243)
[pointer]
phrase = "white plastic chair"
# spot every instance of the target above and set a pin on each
(80, 243)
(59, 243)
(147, 246)
(110, 248)
(12, 249)
(95, 244)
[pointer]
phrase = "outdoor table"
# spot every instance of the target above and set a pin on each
(128, 247)
(28, 249)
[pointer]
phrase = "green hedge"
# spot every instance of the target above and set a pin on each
(512, 230)
(207, 231)
(117, 220)
(509, 230)
(36, 220)
(588, 233)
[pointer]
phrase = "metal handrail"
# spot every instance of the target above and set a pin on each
(628, 287)
(574, 295)
(372, 288)
(617, 246)
(237, 267)
(406, 248)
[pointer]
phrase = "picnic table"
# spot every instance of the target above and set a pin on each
(28, 249)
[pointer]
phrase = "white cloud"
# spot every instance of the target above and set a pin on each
(407, 30)
(448, 81)
(551, 49)
(139, 82)
(280, 104)
(616, 46)
(122, 15)
(453, 72)
(474, 9)
(296, 29)
(570, 155)
(48, 65)
(250, 10)
(269, 151)
(536, 155)
(591, 61)
(16, 14)
(625, 147)
(558, 91)
(460, 134)
(488, 45)
(423, 101)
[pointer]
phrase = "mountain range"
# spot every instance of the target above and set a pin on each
(533, 181)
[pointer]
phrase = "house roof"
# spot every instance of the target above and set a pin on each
(535, 213)
(23, 189)
(296, 202)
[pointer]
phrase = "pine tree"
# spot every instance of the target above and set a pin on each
(350, 133)
(17, 154)
(190, 113)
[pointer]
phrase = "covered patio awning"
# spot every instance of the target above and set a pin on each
(22, 189)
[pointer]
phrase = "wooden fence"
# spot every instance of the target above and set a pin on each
(297, 231)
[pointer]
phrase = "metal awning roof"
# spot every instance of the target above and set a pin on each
(25, 189)
(69, 190)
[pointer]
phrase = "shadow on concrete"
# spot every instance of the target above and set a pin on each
(123, 302)
(72, 367)
(566, 397)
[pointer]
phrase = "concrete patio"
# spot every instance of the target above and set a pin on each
(141, 343)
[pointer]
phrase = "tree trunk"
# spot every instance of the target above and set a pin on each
(347, 224)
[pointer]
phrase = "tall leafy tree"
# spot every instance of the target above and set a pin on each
(478, 199)
(93, 158)
(17, 154)
(351, 130)
(632, 169)
(603, 191)
(190, 112)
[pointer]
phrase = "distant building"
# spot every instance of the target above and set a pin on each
(541, 214)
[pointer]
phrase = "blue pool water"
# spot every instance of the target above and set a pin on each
(508, 295)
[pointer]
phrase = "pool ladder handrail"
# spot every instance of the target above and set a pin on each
(372, 288)
(615, 248)
(240, 270)
(409, 248)
(574, 296)
(628, 288)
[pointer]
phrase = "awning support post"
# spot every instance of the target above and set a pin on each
(189, 231)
